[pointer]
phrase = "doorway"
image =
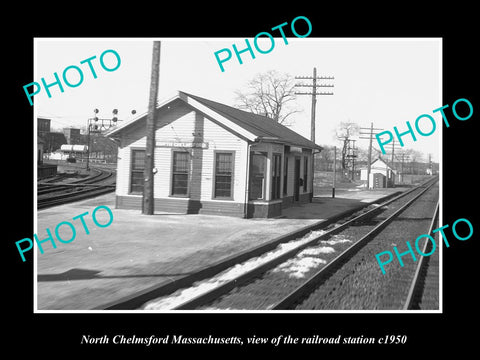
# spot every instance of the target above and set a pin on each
(296, 179)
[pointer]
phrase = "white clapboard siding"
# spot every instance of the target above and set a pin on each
(123, 162)
(182, 124)
(220, 139)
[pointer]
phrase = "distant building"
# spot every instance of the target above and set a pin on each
(72, 136)
(43, 126)
(44, 141)
(54, 141)
(51, 140)
(40, 145)
(381, 175)
(214, 159)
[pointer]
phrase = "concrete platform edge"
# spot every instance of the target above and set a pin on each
(136, 300)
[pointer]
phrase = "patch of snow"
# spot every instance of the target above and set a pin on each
(336, 239)
(183, 295)
(298, 267)
(316, 251)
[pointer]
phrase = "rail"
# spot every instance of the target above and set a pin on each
(59, 194)
(226, 286)
(415, 285)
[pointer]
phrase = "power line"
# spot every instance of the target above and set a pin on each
(314, 94)
(370, 138)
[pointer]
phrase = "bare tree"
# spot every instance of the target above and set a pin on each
(415, 158)
(362, 154)
(269, 94)
(344, 133)
(324, 160)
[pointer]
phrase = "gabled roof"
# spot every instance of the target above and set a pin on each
(384, 163)
(251, 126)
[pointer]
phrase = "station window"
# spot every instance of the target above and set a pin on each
(136, 171)
(180, 170)
(223, 175)
(258, 167)
(305, 173)
(276, 173)
(285, 176)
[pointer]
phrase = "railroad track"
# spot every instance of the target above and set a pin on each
(57, 177)
(286, 277)
(423, 291)
(93, 179)
(52, 194)
(354, 281)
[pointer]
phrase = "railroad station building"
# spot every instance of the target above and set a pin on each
(214, 159)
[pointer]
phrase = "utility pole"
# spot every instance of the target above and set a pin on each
(314, 94)
(351, 156)
(334, 170)
(430, 165)
(387, 149)
(370, 137)
(393, 154)
(402, 155)
(401, 168)
(148, 198)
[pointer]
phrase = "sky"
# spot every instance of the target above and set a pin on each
(386, 81)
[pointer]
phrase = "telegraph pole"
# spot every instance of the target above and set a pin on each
(314, 94)
(334, 170)
(387, 149)
(148, 198)
(393, 154)
(350, 156)
(430, 165)
(370, 137)
(402, 155)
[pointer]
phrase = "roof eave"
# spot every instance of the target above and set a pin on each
(166, 101)
(287, 142)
